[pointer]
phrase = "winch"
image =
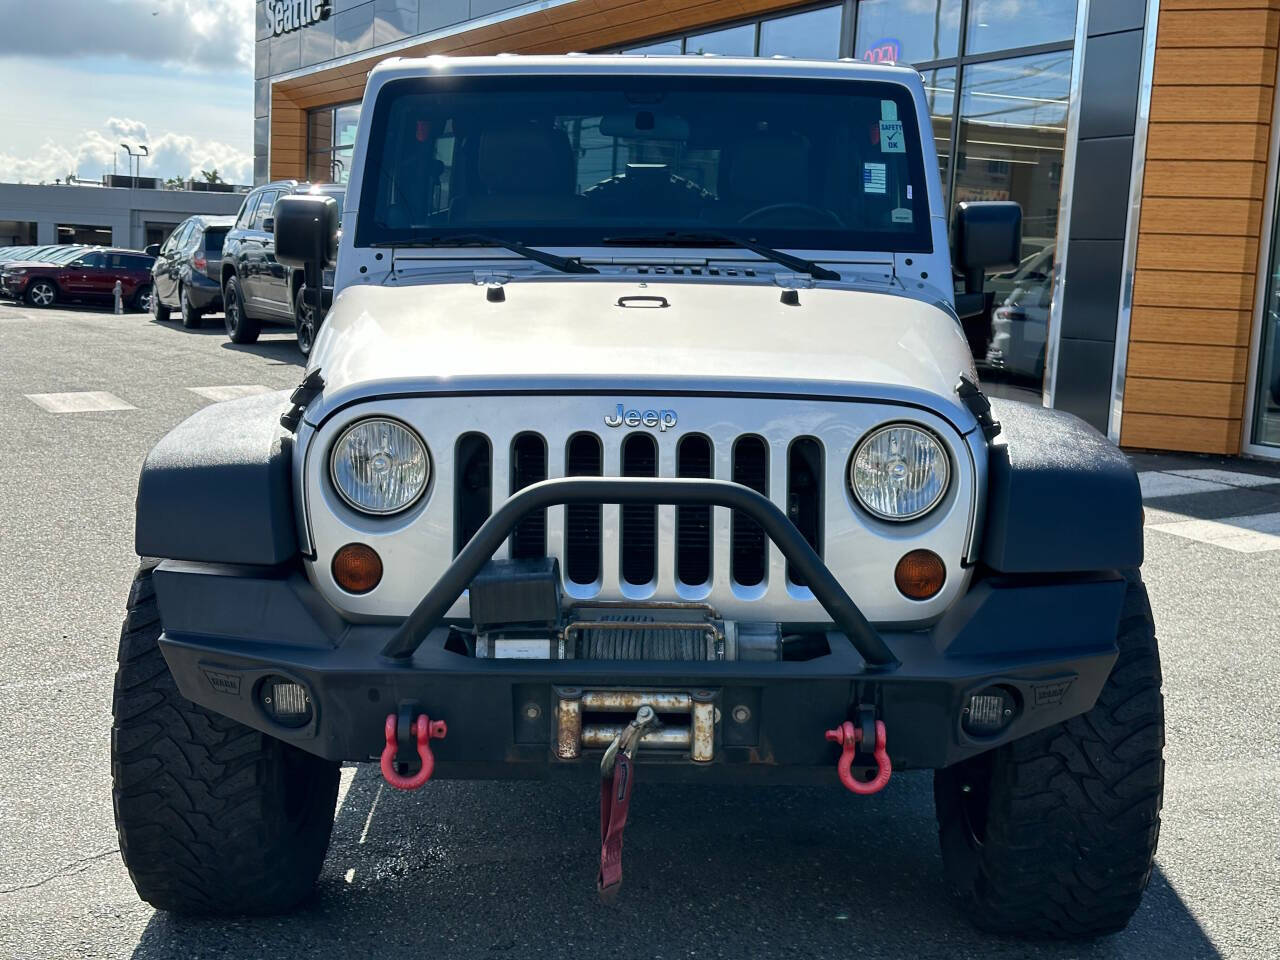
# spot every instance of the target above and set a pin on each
(518, 612)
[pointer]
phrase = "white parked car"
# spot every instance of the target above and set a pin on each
(642, 442)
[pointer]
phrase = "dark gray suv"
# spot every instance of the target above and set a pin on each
(258, 289)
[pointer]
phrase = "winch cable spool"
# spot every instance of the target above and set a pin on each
(642, 644)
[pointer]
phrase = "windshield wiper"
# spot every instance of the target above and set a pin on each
(717, 237)
(563, 264)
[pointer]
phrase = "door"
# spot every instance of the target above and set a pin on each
(166, 269)
(83, 276)
(254, 251)
(275, 276)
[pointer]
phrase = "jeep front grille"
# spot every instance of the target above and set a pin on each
(640, 538)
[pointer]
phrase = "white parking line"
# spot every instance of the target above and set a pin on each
(232, 392)
(1228, 477)
(1154, 483)
(86, 402)
(1254, 534)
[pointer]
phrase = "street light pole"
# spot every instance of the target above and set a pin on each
(143, 151)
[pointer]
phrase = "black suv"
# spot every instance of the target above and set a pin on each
(256, 288)
(187, 274)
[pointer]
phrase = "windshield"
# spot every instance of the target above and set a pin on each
(586, 160)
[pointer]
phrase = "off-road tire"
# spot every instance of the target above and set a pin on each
(1053, 835)
(192, 318)
(214, 818)
(241, 328)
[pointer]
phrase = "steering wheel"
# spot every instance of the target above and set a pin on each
(820, 213)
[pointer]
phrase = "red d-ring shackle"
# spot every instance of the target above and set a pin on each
(849, 735)
(424, 729)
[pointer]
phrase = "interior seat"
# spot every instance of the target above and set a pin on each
(523, 172)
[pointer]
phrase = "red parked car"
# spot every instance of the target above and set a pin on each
(90, 276)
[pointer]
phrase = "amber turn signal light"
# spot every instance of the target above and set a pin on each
(920, 574)
(357, 568)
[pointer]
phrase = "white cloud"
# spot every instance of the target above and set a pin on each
(204, 34)
(172, 155)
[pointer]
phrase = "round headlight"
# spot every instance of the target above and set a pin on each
(899, 472)
(380, 466)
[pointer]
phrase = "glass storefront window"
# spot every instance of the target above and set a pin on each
(940, 94)
(908, 31)
(1013, 131)
(331, 132)
(814, 34)
(665, 48)
(1266, 409)
(1001, 24)
(733, 42)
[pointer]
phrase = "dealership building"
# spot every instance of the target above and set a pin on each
(1136, 134)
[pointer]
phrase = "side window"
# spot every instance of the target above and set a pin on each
(178, 238)
(265, 208)
(137, 264)
(213, 238)
(246, 212)
(192, 239)
(93, 261)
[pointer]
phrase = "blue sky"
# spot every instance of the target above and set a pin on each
(80, 76)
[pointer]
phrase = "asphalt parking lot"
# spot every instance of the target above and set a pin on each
(480, 870)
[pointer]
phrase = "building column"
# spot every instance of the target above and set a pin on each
(46, 233)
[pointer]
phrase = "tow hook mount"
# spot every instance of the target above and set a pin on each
(849, 737)
(408, 732)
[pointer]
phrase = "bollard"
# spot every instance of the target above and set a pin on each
(119, 304)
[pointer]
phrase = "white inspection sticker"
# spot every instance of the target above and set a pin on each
(873, 178)
(901, 215)
(891, 137)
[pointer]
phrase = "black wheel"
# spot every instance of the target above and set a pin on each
(192, 318)
(1053, 835)
(304, 322)
(213, 817)
(42, 293)
(158, 310)
(241, 327)
(144, 298)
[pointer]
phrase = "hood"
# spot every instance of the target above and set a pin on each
(571, 328)
(30, 264)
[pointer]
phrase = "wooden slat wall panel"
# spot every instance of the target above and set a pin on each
(1199, 235)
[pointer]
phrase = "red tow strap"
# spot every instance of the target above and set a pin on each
(615, 800)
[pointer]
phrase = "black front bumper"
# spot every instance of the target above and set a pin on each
(1049, 642)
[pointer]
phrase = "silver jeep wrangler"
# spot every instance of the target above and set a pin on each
(643, 443)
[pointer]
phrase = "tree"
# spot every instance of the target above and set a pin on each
(211, 176)
(174, 183)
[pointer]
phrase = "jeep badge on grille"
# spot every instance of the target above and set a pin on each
(664, 420)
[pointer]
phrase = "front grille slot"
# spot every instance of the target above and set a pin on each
(693, 524)
(639, 520)
(529, 466)
(804, 496)
(473, 483)
(584, 457)
(748, 544)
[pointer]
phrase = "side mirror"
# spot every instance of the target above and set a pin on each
(307, 237)
(152, 249)
(986, 237)
(269, 225)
